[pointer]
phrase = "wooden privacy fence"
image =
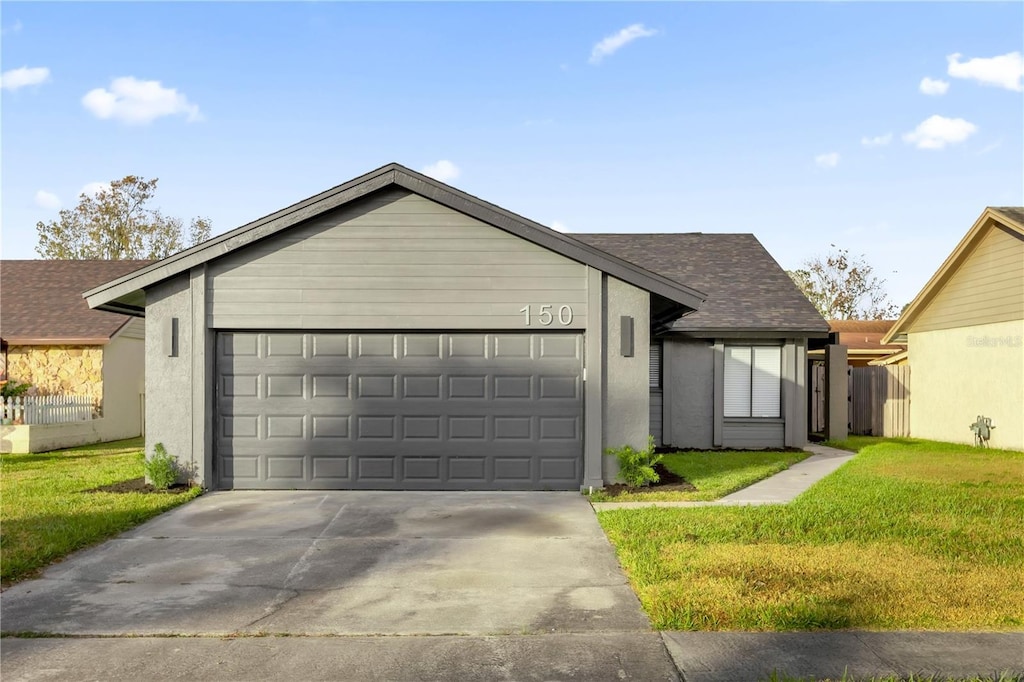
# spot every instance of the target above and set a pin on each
(47, 409)
(880, 400)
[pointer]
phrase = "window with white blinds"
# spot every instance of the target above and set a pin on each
(655, 366)
(753, 381)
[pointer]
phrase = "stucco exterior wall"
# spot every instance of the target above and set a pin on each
(961, 373)
(626, 416)
(124, 377)
(693, 385)
(690, 389)
(73, 370)
(794, 392)
(169, 378)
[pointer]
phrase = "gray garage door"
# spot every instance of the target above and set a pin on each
(399, 411)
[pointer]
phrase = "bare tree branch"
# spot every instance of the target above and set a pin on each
(116, 224)
(843, 287)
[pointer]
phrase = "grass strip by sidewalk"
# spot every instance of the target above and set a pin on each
(909, 535)
(715, 473)
(46, 512)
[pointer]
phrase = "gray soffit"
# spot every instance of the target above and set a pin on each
(123, 294)
(747, 291)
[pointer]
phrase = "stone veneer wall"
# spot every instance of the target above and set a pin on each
(76, 370)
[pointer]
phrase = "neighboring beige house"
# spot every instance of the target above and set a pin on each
(49, 338)
(965, 337)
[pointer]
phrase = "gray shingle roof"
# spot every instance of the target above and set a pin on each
(42, 300)
(1014, 212)
(747, 290)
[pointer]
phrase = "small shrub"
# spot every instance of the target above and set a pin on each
(13, 389)
(636, 467)
(161, 468)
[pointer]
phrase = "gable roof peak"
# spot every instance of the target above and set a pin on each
(1008, 217)
(124, 294)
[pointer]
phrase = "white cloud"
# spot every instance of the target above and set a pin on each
(13, 28)
(936, 132)
(830, 160)
(615, 42)
(1004, 71)
(19, 78)
(929, 86)
(559, 226)
(91, 189)
(47, 200)
(138, 102)
(877, 140)
(444, 170)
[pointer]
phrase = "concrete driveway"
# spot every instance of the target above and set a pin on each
(342, 563)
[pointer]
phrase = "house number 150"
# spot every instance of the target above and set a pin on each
(546, 317)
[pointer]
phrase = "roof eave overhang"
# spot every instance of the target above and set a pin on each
(989, 217)
(121, 308)
(106, 296)
(748, 333)
(56, 341)
(863, 351)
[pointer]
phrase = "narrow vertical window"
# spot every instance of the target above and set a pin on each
(655, 365)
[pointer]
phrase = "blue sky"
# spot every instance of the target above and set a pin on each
(807, 124)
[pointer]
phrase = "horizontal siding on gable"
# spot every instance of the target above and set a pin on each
(987, 287)
(396, 261)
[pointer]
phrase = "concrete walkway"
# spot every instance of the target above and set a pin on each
(781, 488)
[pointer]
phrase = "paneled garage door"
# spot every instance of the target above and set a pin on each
(399, 411)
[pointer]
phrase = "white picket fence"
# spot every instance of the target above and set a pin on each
(47, 409)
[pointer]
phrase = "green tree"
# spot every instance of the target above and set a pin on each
(116, 224)
(844, 287)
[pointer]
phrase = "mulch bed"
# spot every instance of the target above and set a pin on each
(668, 482)
(139, 485)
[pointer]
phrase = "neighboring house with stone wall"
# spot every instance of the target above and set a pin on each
(53, 341)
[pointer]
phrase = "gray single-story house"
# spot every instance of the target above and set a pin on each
(396, 333)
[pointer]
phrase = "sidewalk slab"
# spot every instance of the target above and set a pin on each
(781, 488)
(731, 656)
(611, 657)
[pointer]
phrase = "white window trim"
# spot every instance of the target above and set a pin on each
(748, 393)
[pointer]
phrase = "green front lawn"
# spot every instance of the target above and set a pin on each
(908, 535)
(714, 473)
(858, 443)
(47, 513)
